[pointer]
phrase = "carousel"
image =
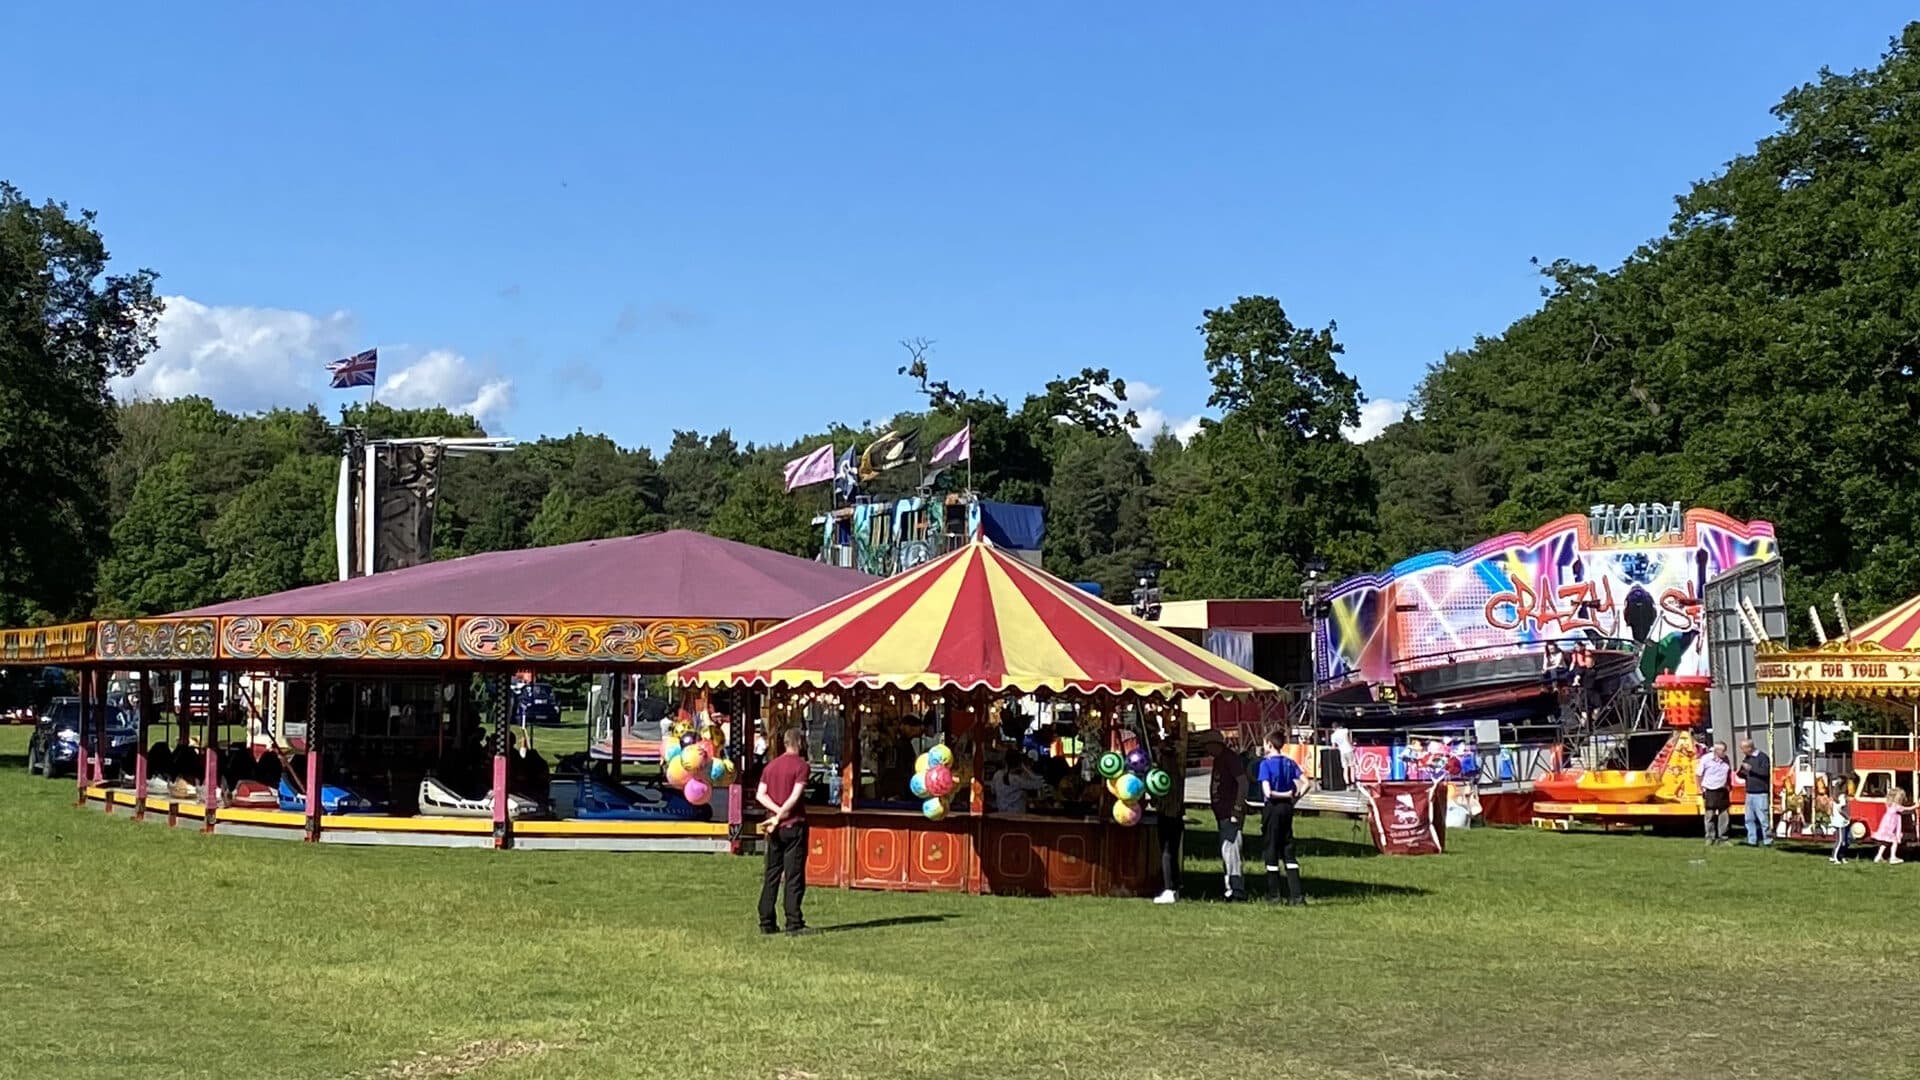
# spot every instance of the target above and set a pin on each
(1875, 666)
(383, 709)
(978, 725)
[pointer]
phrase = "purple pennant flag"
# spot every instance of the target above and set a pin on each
(815, 468)
(955, 447)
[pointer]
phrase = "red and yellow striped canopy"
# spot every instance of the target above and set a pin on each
(978, 618)
(1897, 630)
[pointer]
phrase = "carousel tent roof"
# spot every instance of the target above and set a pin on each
(677, 574)
(977, 618)
(1880, 659)
(1898, 630)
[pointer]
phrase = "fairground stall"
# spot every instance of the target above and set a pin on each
(976, 724)
(364, 705)
(1875, 667)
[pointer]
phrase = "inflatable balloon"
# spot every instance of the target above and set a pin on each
(1138, 762)
(719, 772)
(695, 758)
(688, 738)
(1159, 783)
(935, 809)
(732, 774)
(668, 752)
(939, 781)
(1126, 813)
(918, 785)
(1112, 764)
(922, 763)
(708, 746)
(697, 791)
(939, 755)
(1113, 787)
(677, 773)
(1129, 788)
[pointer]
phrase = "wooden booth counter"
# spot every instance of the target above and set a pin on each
(1004, 854)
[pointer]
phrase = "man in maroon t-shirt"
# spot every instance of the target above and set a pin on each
(783, 786)
(1228, 794)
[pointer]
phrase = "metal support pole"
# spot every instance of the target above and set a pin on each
(210, 758)
(502, 820)
(80, 759)
(145, 722)
(313, 759)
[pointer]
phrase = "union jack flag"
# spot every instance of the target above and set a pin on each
(355, 370)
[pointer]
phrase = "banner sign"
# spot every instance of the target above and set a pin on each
(1838, 674)
(1403, 819)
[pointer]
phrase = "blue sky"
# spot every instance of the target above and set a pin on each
(639, 217)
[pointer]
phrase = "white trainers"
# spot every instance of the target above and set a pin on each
(1166, 897)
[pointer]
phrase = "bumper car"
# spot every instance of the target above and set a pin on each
(589, 798)
(253, 795)
(333, 800)
(439, 800)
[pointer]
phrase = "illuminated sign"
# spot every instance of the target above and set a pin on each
(1626, 522)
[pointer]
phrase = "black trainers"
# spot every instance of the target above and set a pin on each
(769, 929)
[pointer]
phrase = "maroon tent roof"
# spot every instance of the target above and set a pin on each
(679, 574)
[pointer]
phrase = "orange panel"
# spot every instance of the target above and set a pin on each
(1012, 861)
(1070, 860)
(880, 854)
(940, 859)
(1890, 760)
(826, 855)
(1128, 869)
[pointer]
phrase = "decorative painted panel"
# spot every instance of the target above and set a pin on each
(374, 637)
(157, 639)
(538, 639)
(70, 641)
(940, 859)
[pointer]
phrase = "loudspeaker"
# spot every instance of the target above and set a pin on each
(1332, 776)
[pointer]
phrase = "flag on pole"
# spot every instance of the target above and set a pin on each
(889, 451)
(355, 370)
(955, 447)
(846, 475)
(814, 468)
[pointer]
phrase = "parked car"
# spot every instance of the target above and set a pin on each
(54, 746)
(536, 705)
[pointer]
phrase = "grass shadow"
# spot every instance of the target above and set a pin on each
(14, 761)
(1213, 887)
(1202, 841)
(880, 924)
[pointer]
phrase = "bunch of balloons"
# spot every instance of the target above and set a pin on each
(1132, 777)
(693, 762)
(934, 781)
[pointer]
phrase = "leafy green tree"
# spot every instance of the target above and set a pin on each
(1277, 482)
(759, 511)
(67, 326)
(277, 533)
(697, 473)
(1097, 505)
(160, 560)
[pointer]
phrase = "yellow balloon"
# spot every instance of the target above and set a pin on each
(920, 764)
(1126, 813)
(677, 771)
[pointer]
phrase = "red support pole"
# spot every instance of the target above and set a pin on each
(100, 742)
(210, 791)
(313, 760)
(502, 820)
(140, 748)
(81, 765)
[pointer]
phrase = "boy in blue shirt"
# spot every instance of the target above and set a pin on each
(1279, 781)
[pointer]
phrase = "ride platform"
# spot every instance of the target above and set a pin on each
(1561, 815)
(382, 830)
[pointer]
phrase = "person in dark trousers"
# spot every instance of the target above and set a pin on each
(1227, 794)
(783, 785)
(1171, 827)
(1280, 782)
(1757, 770)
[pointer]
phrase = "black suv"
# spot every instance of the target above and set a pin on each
(54, 746)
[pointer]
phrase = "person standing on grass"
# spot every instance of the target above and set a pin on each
(1170, 828)
(1227, 794)
(1715, 774)
(783, 786)
(1757, 770)
(1280, 782)
(1891, 829)
(1841, 818)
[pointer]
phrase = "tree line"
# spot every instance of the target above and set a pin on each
(1760, 356)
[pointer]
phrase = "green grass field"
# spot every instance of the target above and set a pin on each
(133, 951)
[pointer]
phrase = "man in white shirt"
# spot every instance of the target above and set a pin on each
(1715, 774)
(1013, 784)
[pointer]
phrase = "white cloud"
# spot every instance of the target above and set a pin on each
(1375, 416)
(444, 377)
(243, 358)
(1154, 420)
(246, 359)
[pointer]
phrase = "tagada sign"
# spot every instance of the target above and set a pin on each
(1839, 675)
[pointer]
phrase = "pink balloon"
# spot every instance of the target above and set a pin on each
(697, 791)
(939, 781)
